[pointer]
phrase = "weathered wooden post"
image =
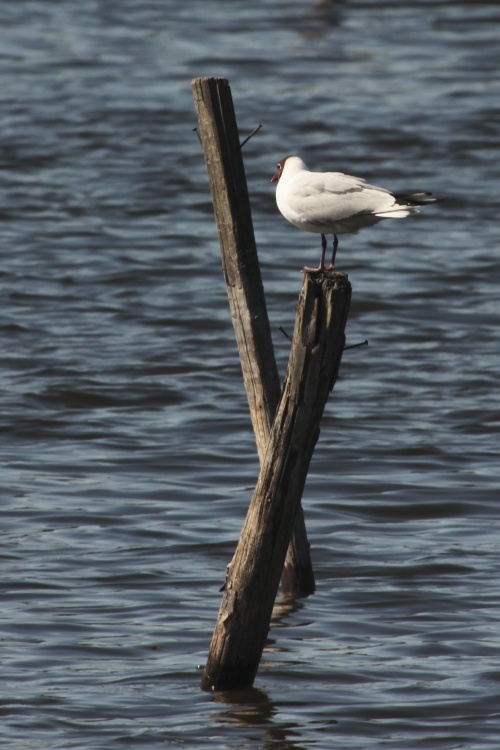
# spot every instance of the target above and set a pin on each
(226, 172)
(253, 575)
(286, 428)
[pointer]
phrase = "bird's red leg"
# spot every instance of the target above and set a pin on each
(321, 266)
(335, 246)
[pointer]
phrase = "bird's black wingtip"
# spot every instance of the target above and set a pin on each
(417, 199)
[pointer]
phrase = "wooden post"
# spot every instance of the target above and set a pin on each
(226, 173)
(254, 573)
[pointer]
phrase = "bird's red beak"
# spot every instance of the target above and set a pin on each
(275, 177)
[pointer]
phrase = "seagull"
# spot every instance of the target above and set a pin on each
(336, 203)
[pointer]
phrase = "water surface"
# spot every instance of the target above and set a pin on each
(128, 459)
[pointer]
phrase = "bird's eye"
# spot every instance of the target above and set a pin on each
(278, 165)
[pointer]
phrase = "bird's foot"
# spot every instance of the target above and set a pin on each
(318, 269)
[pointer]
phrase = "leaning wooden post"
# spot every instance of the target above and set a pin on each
(254, 573)
(226, 172)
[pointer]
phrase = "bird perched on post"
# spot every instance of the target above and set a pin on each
(336, 203)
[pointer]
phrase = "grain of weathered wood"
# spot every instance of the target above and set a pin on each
(253, 575)
(226, 173)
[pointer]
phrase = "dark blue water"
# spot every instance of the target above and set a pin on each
(128, 458)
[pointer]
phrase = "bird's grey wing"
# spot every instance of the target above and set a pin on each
(333, 196)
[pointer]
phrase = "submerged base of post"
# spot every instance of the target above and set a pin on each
(297, 577)
(253, 575)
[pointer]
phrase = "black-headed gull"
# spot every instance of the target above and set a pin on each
(336, 203)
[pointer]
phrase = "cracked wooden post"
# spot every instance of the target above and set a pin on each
(254, 573)
(226, 173)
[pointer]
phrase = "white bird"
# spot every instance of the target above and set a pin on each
(336, 203)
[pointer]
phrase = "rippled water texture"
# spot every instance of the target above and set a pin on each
(128, 459)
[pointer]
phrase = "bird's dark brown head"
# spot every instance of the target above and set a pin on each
(280, 166)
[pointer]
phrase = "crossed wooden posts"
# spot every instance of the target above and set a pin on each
(273, 543)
